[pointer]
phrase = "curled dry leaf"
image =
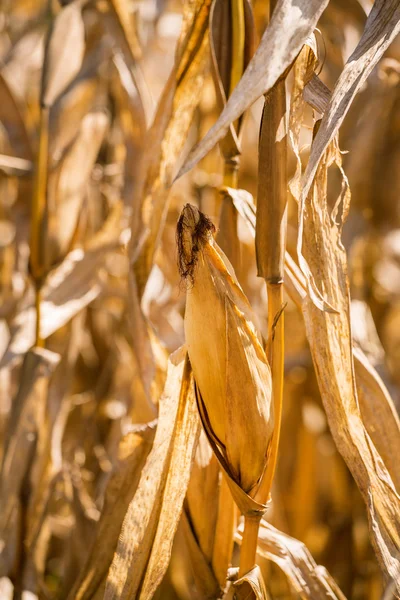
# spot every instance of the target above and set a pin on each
(359, 416)
(251, 585)
(381, 28)
(309, 580)
(145, 541)
(292, 19)
(331, 347)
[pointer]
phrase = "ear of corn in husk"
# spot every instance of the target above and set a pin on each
(231, 370)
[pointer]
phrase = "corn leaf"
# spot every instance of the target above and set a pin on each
(292, 19)
(145, 541)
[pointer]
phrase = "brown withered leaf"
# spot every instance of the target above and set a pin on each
(145, 542)
(375, 423)
(251, 586)
(65, 47)
(378, 413)
(167, 137)
(132, 454)
(381, 28)
(317, 94)
(330, 341)
(294, 20)
(309, 580)
(122, 12)
(68, 290)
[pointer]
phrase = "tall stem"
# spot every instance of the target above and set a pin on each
(248, 551)
(276, 358)
(270, 250)
(39, 217)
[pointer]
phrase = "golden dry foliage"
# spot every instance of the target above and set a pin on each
(171, 425)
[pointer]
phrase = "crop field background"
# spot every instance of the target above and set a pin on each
(199, 299)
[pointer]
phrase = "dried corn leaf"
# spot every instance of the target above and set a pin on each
(145, 542)
(317, 94)
(132, 454)
(122, 12)
(309, 580)
(73, 176)
(18, 167)
(64, 52)
(381, 28)
(69, 289)
(294, 20)
(378, 412)
(251, 586)
(331, 347)
(167, 136)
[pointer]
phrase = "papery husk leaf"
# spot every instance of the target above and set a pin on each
(145, 540)
(229, 363)
(133, 451)
(209, 526)
(293, 20)
(251, 586)
(309, 580)
(168, 134)
(246, 504)
(381, 28)
(64, 52)
(378, 413)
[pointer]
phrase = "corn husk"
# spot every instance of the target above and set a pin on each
(231, 370)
